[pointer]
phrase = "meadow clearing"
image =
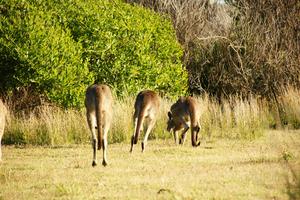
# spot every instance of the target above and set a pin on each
(241, 58)
(262, 168)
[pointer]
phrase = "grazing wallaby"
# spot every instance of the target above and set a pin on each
(146, 108)
(183, 115)
(98, 103)
(2, 124)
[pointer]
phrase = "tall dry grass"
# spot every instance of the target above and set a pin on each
(234, 117)
(46, 125)
(290, 104)
(50, 125)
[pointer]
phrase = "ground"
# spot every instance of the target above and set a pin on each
(218, 169)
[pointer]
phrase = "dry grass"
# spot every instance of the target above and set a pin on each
(52, 126)
(290, 101)
(233, 118)
(218, 169)
(46, 125)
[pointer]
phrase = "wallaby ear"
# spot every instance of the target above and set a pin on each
(169, 115)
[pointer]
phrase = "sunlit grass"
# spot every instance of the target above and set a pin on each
(218, 169)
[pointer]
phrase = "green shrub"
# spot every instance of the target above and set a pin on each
(129, 48)
(44, 54)
(60, 47)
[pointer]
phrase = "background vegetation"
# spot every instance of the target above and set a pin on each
(241, 47)
(55, 49)
(235, 118)
(241, 58)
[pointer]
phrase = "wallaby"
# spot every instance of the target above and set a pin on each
(146, 108)
(183, 115)
(98, 103)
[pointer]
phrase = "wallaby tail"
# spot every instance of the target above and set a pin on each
(139, 124)
(98, 101)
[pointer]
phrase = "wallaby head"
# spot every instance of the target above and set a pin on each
(177, 114)
(170, 123)
(98, 104)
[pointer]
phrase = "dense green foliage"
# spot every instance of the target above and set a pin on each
(58, 48)
(37, 52)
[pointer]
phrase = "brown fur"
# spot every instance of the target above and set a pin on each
(2, 123)
(183, 115)
(146, 107)
(98, 103)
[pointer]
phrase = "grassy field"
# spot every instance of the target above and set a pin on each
(218, 169)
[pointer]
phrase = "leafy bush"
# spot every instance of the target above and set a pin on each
(128, 47)
(60, 47)
(36, 51)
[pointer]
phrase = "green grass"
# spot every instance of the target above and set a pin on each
(218, 169)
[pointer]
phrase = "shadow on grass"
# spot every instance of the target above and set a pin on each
(165, 193)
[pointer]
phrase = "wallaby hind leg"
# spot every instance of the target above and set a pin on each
(132, 138)
(149, 128)
(104, 144)
(175, 134)
(198, 128)
(183, 135)
(132, 142)
(92, 124)
(94, 142)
